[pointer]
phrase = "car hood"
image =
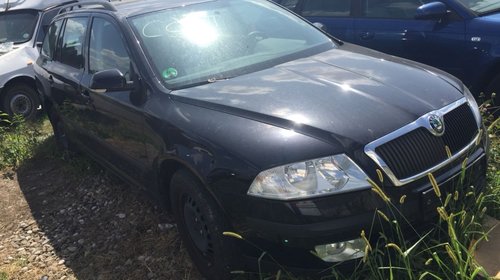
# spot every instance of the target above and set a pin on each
(351, 94)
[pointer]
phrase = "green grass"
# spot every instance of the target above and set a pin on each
(19, 139)
(493, 188)
(4, 275)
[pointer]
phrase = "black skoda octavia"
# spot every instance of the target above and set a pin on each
(241, 117)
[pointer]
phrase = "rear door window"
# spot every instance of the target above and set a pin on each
(326, 8)
(395, 9)
(72, 42)
(50, 41)
(44, 23)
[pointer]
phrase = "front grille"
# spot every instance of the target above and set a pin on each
(419, 150)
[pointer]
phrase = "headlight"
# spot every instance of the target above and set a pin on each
(318, 177)
(473, 105)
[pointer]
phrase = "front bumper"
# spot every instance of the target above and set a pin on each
(289, 231)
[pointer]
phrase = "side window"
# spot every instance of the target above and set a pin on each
(289, 4)
(396, 9)
(326, 8)
(107, 50)
(50, 41)
(44, 24)
(72, 42)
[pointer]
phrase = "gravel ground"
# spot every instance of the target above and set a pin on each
(71, 220)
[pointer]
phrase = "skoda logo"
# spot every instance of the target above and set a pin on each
(437, 125)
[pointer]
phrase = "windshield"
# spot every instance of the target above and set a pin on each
(206, 42)
(17, 26)
(482, 6)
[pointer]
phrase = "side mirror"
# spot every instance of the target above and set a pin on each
(108, 80)
(432, 10)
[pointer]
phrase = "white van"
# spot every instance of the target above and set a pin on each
(22, 27)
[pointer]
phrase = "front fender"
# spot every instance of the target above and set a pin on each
(224, 151)
(19, 63)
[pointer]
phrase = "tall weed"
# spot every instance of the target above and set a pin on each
(18, 139)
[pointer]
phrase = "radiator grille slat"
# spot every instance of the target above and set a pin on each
(419, 150)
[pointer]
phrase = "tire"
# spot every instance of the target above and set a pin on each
(200, 224)
(494, 87)
(21, 100)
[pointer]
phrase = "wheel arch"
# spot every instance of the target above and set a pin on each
(167, 168)
(22, 79)
(26, 80)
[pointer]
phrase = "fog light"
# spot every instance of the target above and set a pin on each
(341, 251)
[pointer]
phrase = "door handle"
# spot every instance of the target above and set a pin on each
(366, 35)
(85, 96)
(85, 93)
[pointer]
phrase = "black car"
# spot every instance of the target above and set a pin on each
(243, 118)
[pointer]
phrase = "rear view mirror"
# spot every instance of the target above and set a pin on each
(433, 10)
(108, 80)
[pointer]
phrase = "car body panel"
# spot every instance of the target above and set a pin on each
(462, 43)
(344, 84)
(19, 63)
(427, 41)
(39, 5)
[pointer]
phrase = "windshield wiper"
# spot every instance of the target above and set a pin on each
(216, 79)
(200, 83)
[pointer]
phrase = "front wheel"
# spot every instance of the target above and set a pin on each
(200, 224)
(21, 100)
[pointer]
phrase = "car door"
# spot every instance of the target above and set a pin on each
(113, 123)
(65, 71)
(390, 26)
(334, 15)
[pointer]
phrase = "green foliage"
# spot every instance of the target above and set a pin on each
(444, 252)
(4, 275)
(493, 188)
(18, 139)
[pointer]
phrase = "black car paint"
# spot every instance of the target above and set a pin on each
(228, 131)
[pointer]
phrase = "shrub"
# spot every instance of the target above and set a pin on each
(18, 139)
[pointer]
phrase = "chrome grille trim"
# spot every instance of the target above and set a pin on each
(420, 122)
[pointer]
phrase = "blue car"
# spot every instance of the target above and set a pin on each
(461, 37)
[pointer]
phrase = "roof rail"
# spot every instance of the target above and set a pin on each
(104, 4)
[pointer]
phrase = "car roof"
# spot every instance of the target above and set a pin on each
(133, 7)
(125, 8)
(40, 5)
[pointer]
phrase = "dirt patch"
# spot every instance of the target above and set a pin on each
(67, 222)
